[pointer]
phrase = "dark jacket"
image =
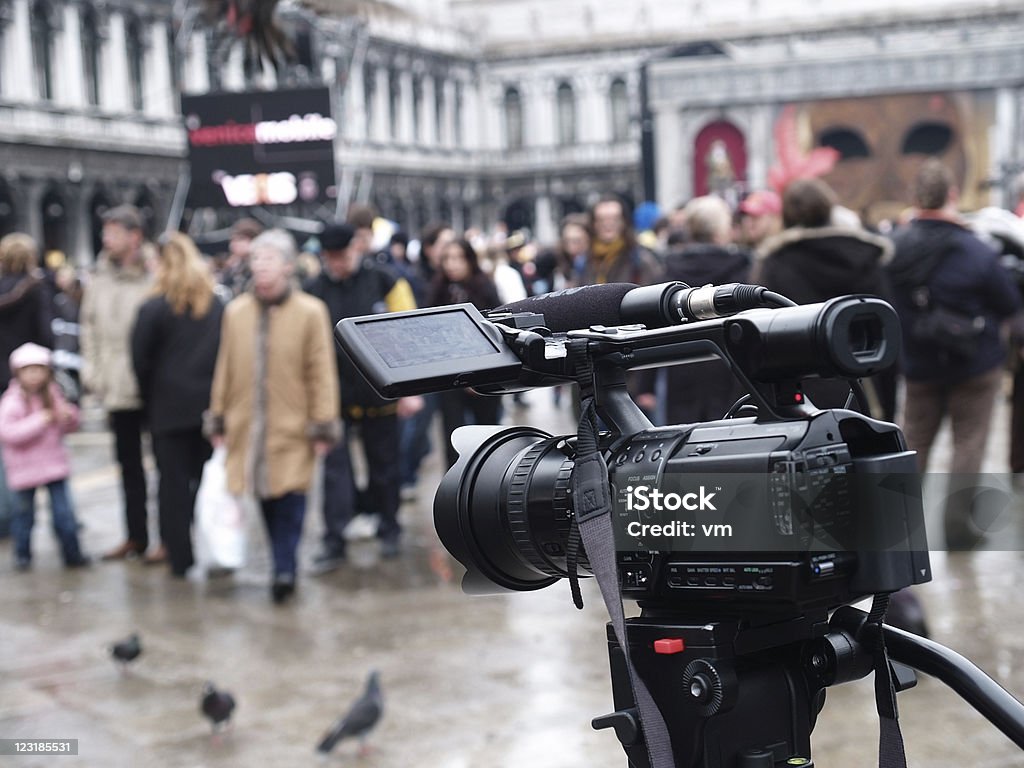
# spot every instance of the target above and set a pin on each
(24, 316)
(365, 292)
(478, 290)
(703, 391)
(820, 263)
(174, 358)
(811, 265)
(961, 274)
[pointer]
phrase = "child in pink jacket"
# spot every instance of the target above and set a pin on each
(34, 417)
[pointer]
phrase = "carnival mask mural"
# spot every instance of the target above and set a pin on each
(881, 141)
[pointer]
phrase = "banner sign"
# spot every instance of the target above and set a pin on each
(260, 148)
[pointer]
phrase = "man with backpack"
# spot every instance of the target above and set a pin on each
(952, 296)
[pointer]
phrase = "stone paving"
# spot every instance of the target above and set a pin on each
(485, 681)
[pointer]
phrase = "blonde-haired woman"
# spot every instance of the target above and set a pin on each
(174, 350)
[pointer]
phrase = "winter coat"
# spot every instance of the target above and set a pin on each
(112, 298)
(293, 402)
(703, 391)
(962, 274)
(173, 357)
(33, 448)
(371, 289)
(815, 264)
(478, 290)
(25, 316)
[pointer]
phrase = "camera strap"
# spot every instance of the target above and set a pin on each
(592, 506)
(891, 751)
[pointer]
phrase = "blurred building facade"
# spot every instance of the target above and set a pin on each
(480, 111)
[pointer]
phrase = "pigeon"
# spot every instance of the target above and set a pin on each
(216, 706)
(126, 651)
(363, 716)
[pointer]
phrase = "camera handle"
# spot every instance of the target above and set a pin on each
(749, 698)
(990, 699)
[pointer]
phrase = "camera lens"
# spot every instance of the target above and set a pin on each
(503, 510)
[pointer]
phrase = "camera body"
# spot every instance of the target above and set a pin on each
(822, 507)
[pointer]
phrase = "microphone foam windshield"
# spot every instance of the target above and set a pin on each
(576, 308)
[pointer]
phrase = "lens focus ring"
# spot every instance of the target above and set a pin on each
(519, 525)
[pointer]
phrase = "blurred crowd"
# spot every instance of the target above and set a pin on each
(235, 351)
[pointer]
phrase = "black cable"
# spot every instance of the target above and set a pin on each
(777, 299)
(735, 407)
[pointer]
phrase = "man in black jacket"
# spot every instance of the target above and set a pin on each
(940, 264)
(352, 285)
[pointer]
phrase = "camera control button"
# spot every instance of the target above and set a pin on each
(669, 645)
(639, 457)
(656, 455)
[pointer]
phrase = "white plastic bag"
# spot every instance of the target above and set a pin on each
(220, 518)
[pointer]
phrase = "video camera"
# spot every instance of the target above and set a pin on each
(504, 509)
(823, 507)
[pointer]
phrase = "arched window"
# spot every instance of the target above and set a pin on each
(42, 50)
(99, 204)
(147, 210)
(513, 118)
(136, 56)
(458, 113)
(53, 214)
(619, 98)
(394, 103)
(90, 56)
(439, 109)
(176, 62)
(8, 213)
(566, 110)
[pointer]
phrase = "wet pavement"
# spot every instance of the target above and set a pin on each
(494, 681)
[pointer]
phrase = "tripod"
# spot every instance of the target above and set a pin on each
(741, 696)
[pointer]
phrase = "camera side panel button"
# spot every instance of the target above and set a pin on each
(669, 645)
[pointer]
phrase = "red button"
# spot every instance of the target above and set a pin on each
(669, 645)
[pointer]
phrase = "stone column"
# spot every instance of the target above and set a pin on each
(448, 116)
(673, 173)
(355, 105)
(68, 85)
(18, 72)
(493, 116)
(761, 146)
(405, 114)
(543, 218)
(596, 109)
(197, 72)
(233, 77)
(1004, 146)
(428, 113)
(32, 214)
(471, 117)
(158, 93)
(115, 89)
(381, 106)
(539, 113)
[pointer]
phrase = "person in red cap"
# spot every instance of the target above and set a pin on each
(760, 218)
(34, 417)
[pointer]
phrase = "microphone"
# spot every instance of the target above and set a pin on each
(654, 306)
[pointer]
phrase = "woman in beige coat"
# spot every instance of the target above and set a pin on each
(274, 402)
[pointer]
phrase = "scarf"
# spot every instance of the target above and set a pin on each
(605, 255)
